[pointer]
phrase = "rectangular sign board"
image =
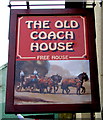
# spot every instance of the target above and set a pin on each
(55, 36)
(52, 62)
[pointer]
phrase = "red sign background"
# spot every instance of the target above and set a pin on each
(24, 40)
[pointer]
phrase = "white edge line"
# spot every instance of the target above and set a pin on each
(84, 40)
(18, 37)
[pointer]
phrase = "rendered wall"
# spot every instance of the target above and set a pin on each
(99, 43)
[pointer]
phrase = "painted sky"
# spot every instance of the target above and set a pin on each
(74, 67)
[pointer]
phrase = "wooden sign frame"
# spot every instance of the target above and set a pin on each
(94, 106)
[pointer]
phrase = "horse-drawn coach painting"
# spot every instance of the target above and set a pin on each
(56, 82)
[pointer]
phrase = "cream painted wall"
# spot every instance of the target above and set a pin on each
(102, 54)
(99, 42)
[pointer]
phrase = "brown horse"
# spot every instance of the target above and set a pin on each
(49, 83)
(45, 83)
(42, 83)
(76, 82)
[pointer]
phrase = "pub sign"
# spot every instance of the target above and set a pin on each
(52, 62)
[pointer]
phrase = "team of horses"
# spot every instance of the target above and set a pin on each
(52, 84)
